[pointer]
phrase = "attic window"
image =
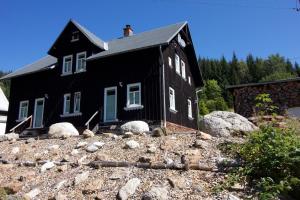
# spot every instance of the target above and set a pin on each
(75, 36)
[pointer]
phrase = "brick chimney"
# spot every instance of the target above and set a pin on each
(127, 31)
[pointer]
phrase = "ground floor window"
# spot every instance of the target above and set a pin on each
(133, 95)
(23, 110)
(67, 100)
(190, 114)
(172, 99)
(77, 99)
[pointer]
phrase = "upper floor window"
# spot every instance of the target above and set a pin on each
(133, 94)
(77, 99)
(172, 99)
(80, 62)
(23, 110)
(67, 64)
(67, 103)
(190, 115)
(177, 64)
(183, 69)
(75, 36)
(170, 62)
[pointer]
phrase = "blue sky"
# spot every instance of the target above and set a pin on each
(218, 27)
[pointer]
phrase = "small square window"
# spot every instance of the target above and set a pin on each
(177, 64)
(23, 110)
(67, 64)
(80, 62)
(183, 70)
(133, 95)
(75, 36)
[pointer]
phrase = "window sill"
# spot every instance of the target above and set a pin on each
(134, 107)
(81, 71)
(74, 40)
(173, 110)
(71, 114)
(66, 74)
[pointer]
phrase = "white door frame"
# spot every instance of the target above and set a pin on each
(35, 104)
(105, 95)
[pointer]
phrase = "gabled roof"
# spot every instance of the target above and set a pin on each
(139, 41)
(3, 101)
(42, 64)
(89, 35)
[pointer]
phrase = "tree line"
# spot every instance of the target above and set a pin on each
(251, 70)
(5, 85)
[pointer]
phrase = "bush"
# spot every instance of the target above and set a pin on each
(271, 160)
(202, 108)
(220, 104)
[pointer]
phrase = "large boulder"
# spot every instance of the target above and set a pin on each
(62, 130)
(223, 124)
(135, 127)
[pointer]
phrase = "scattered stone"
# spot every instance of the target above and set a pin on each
(53, 147)
(177, 182)
(201, 144)
(60, 196)
(62, 130)
(223, 124)
(198, 189)
(151, 149)
(81, 144)
(156, 193)
(205, 136)
(74, 152)
(92, 148)
(30, 140)
(62, 168)
(81, 177)
(158, 132)
(65, 158)
(9, 137)
(46, 166)
(32, 194)
(13, 186)
(99, 144)
(132, 144)
(115, 137)
(145, 159)
(93, 186)
(80, 160)
(59, 185)
(128, 135)
(101, 157)
(232, 197)
(136, 127)
(15, 150)
(168, 161)
(119, 174)
(129, 188)
(88, 133)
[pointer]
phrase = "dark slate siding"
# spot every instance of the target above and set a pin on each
(183, 91)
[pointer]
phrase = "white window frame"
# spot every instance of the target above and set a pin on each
(190, 109)
(177, 64)
(135, 105)
(189, 80)
(76, 94)
(183, 74)
(77, 62)
(20, 118)
(65, 103)
(64, 62)
(172, 100)
(75, 33)
(170, 61)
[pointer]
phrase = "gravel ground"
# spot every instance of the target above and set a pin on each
(104, 183)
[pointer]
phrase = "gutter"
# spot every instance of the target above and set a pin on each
(164, 88)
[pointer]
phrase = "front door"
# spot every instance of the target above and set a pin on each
(38, 113)
(110, 104)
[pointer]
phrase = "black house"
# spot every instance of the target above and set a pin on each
(150, 76)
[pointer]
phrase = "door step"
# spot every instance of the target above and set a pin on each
(33, 132)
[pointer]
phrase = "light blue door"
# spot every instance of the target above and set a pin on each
(110, 104)
(38, 113)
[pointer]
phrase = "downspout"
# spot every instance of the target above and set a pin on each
(197, 99)
(164, 88)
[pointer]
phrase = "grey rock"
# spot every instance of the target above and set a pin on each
(168, 161)
(92, 148)
(81, 144)
(132, 144)
(158, 132)
(32, 194)
(135, 127)
(81, 177)
(232, 197)
(201, 144)
(47, 166)
(129, 189)
(156, 193)
(62, 130)
(88, 133)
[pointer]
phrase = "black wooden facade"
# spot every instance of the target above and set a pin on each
(147, 66)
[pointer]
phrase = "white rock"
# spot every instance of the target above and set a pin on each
(201, 144)
(62, 130)
(88, 133)
(81, 177)
(81, 144)
(168, 161)
(98, 144)
(129, 188)
(74, 152)
(223, 124)
(232, 197)
(156, 192)
(135, 127)
(92, 148)
(15, 150)
(33, 193)
(132, 144)
(9, 137)
(80, 160)
(46, 166)
(115, 137)
(60, 196)
(53, 147)
(151, 149)
(59, 185)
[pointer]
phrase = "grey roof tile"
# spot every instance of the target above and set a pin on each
(41, 64)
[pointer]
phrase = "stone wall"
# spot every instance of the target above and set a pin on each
(285, 94)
